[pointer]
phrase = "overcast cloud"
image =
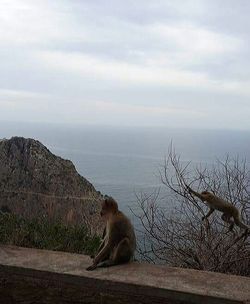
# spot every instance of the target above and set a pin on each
(157, 63)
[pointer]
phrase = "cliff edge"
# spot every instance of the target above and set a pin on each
(35, 182)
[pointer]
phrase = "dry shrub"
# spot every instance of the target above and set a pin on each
(172, 230)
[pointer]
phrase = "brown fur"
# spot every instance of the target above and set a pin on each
(119, 242)
(228, 210)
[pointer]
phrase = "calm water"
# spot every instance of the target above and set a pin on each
(120, 162)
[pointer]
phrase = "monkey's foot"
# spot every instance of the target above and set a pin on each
(91, 268)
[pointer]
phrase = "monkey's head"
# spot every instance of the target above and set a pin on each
(109, 207)
(206, 195)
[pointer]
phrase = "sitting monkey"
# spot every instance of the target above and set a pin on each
(119, 242)
(228, 210)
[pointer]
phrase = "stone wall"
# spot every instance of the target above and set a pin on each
(40, 276)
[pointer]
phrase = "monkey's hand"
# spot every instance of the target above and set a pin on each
(189, 189)
(96, 260)
(91, 267)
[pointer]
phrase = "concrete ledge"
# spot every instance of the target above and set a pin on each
(40, 276)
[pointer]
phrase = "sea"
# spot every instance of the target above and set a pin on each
(125, 162)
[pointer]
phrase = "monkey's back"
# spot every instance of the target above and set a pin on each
(221, 205)
(122, 228)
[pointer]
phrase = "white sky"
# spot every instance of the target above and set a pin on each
(130, 63)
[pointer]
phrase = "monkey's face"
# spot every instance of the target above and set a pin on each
(105, 210)
(109, 206)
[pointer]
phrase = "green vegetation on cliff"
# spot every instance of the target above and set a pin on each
(46, 234)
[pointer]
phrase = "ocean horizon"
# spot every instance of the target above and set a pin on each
(123, 162)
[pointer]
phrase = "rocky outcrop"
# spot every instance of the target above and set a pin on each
(34, 182)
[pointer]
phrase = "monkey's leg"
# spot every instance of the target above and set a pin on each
(102, 255)
(94, 266)
(227, 218)
(99, 249)
(122, 254)
(106, 263)
(208, 214)
(104, 258)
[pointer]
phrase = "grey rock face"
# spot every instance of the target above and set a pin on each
(35, 182)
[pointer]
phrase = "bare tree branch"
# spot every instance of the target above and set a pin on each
(172, 231)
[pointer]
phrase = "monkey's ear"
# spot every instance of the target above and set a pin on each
(105, 197)
(107, 201)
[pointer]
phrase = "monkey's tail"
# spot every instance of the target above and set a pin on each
(239, 223)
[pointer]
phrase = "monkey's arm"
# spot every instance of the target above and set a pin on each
(110, 242)
(104, 232)
(102, 243)
(101, 255)
(100, 247)
(211, 210)
(200, 196)
(104, 252)
(103, 240)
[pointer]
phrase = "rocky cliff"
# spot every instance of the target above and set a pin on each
(34, 182)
